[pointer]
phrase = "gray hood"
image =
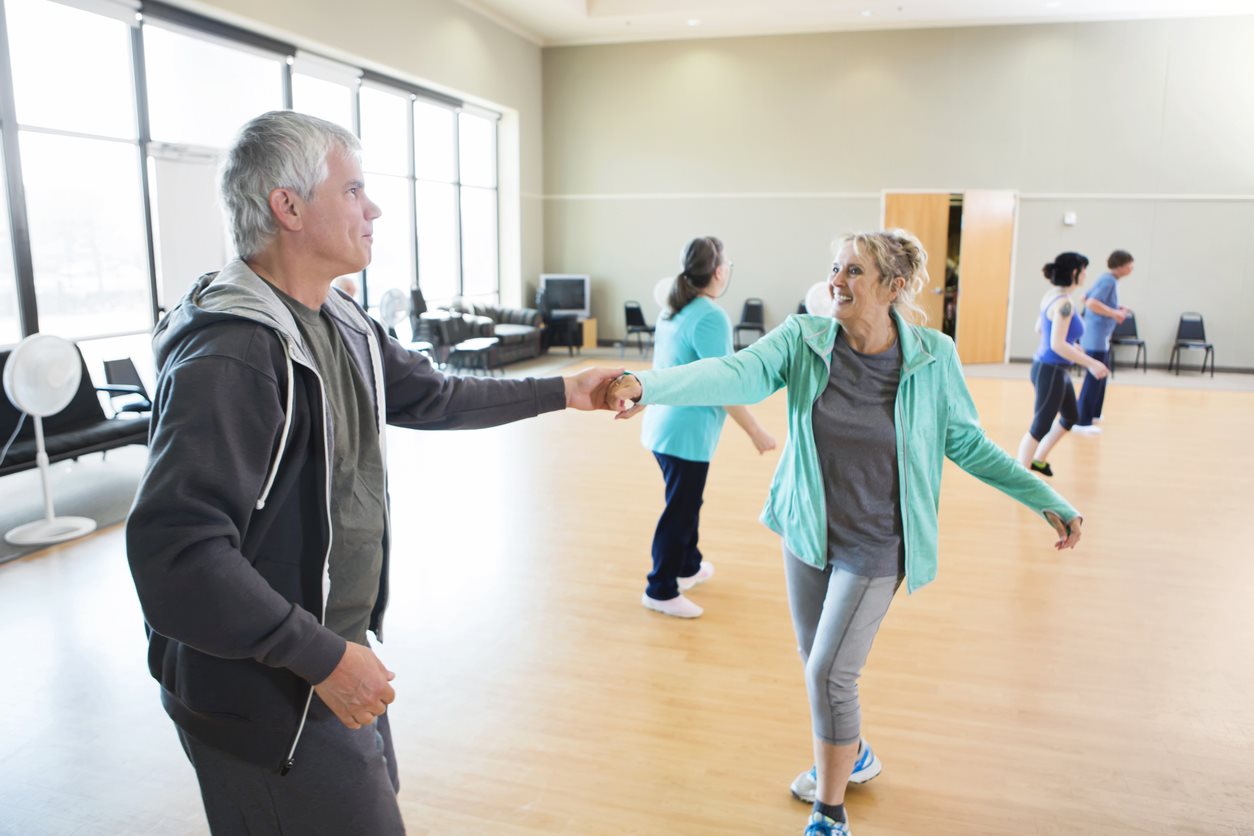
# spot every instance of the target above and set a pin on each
(236, 291)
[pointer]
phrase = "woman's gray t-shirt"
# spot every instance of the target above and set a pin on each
(856, 439)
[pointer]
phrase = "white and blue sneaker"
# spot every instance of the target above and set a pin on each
(866, 767)
(821, 825)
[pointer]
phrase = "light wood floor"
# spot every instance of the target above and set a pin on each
(1102, 691)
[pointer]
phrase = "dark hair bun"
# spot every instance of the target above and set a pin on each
(1065, 268)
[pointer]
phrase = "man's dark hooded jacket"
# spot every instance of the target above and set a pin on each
(229, 537)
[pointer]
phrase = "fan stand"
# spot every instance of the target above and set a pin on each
(51, 529)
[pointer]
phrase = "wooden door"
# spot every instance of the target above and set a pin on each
(927, 216)
(988, 226)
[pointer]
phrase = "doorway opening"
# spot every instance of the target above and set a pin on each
(952, 257)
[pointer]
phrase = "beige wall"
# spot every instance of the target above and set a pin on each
(780, 143)
(444, 45)
(1189, 257)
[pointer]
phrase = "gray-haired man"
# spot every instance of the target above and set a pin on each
(259, 539)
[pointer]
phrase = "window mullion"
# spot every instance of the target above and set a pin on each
(19, 224)
(457, 205)
(412, 177)
(145, 182)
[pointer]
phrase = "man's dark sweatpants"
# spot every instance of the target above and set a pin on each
(1093, 392)
(343, 782)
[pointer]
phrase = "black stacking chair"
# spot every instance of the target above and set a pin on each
(752, 318)
(124, 382)
(1191, 335)
(638, 325)
(1125, 335)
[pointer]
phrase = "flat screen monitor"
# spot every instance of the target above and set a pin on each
(567, 295)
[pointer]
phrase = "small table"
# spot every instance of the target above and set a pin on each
(424, 347)
(474, 354)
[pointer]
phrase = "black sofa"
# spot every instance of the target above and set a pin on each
(80, 428)
(516, 329)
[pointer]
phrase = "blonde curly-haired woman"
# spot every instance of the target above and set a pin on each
(875, 405)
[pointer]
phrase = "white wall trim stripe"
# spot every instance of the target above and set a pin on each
(1169, 198)
(718, 195)
(1040, 196)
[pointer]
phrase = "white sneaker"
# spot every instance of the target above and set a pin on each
(1086, 429)
(679, 606)
(866, 767)
(703, 574)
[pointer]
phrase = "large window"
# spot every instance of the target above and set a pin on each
(435, 166)
(386, 164)
(455, 167)
(439, 271)
(97, 265)
(384, 131)
(200, 92)
(325, 89)
(91, 94)
(477, 165)
(80, 168)
(87, 235)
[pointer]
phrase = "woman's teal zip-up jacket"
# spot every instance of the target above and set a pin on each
(935, 418)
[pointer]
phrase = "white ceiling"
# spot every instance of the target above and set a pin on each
(565, 22)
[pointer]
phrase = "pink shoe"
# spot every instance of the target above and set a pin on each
(703, 574)
(679, 606)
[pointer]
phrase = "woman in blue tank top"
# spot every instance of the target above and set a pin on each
(1060, 328)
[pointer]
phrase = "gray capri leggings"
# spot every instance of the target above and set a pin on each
(836, 615)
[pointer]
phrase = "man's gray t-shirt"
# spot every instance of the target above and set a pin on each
(357, 503)
(855, 435)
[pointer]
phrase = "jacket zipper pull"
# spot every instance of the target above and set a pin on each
(287, 766)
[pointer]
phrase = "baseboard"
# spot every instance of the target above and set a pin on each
(1162, 367)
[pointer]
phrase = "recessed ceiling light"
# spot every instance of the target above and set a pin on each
(694, 22)
(866, 12)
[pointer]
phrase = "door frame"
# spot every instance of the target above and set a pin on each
(1014, 245)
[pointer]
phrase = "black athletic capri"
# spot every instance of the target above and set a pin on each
(1055, 397)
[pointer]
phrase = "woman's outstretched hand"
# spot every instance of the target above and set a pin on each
(1068, 533)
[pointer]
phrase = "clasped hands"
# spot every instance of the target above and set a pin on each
(622, 396)
(611, 389)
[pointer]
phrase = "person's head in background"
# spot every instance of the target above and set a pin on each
(1120, 263)
(348, 284)
(1067, 270)
(706, 272)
